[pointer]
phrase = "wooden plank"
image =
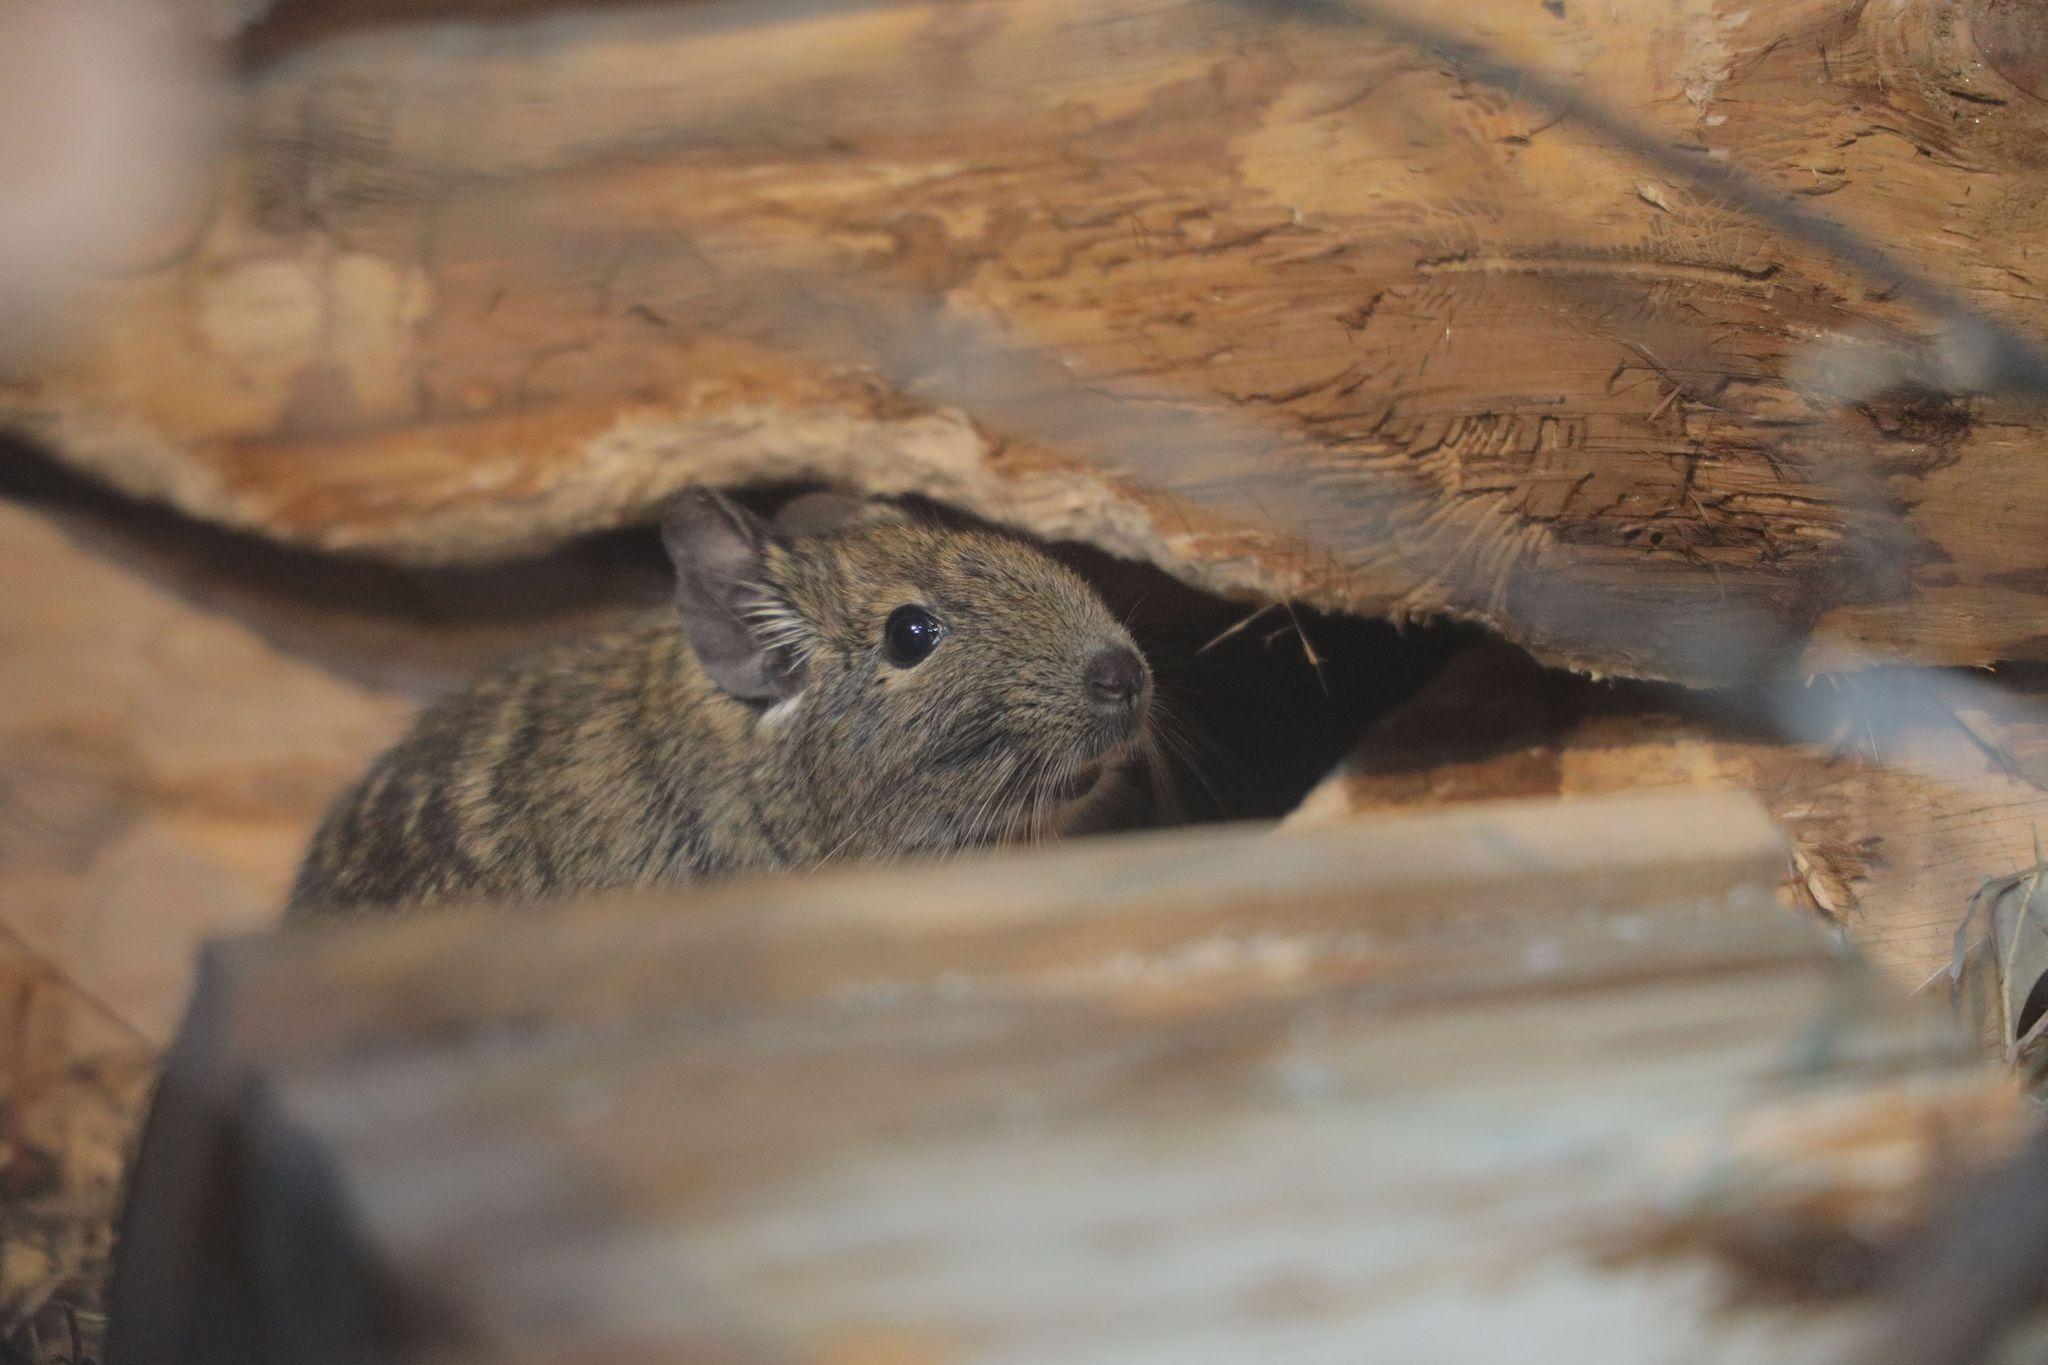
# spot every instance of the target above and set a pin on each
(1405, 1089)
(1411, 880)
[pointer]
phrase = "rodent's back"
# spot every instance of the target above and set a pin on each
(580, 768)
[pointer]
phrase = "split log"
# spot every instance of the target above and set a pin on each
(463, 291)
(1527, 1072)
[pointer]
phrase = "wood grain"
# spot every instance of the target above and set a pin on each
(1285, 309)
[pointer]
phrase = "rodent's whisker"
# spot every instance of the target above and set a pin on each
(981, 809)
(1182, 750)
(1160, 786)
(1130, 612)
(986, 810)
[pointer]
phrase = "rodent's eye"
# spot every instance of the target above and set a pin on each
(911, 635)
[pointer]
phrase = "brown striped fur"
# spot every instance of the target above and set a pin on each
(619, 762)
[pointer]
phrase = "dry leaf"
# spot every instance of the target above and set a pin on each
(2001, 957)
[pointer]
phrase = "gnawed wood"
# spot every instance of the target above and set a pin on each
(471, 290)
(1173, 1097)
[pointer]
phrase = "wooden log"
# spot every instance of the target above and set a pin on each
(1901, 794)
(1403, 1089)
(464, 291)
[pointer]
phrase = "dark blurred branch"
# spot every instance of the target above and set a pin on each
(1978, 1273)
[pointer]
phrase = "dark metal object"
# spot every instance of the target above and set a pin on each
(1977, 1274)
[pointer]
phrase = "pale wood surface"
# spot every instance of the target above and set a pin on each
(1503, 1079)
(463, 290)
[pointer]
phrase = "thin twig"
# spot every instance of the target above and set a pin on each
(1238, 628)
(1308, 649)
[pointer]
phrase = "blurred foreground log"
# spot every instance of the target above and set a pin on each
(463, 291)
(1540, 1073)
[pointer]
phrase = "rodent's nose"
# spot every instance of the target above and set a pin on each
(1115, 676)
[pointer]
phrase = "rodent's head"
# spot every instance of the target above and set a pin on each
(934, 687)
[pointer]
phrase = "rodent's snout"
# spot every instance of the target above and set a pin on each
(1116, 679)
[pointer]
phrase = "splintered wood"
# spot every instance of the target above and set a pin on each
(1292, 309)
(1528, 1073)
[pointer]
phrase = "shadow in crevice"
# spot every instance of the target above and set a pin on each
(1269, 696)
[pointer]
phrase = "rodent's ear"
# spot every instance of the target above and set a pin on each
(736, 623)
(812, 514)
